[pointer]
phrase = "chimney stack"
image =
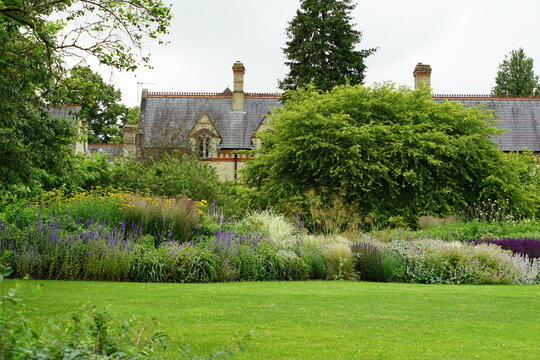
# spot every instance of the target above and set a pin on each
(422, 76)
(238, 93)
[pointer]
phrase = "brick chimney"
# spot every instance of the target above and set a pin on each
(238, 93)
(422, 76)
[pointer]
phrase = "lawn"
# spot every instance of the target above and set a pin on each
(322, 320)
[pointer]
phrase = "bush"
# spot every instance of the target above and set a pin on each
(440, 262)
(367, 260)
(394, 153)
(169, 176)
(189, 263)
(293, 267)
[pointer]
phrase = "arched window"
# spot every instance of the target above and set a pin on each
(204, 147)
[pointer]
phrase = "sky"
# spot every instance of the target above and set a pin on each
(464, 41)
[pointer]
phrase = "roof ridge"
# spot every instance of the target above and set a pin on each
(486, 97)
(225, 94)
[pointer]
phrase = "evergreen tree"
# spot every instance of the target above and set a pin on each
(516, 76)
(321, 47)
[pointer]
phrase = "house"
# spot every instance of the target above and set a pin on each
(215, 126)
(219, 127)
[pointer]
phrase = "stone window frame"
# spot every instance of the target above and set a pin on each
(203, 143)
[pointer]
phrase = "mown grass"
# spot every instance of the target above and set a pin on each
(321, 320)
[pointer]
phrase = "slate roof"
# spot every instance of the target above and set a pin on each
(520, 116)
(167, 118)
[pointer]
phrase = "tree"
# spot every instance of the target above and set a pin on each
(516, 76)
(321, 46)
(99, 103)
(389, 153)
(34, 148)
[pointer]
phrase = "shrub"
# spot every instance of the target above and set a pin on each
(190, 263)
(392, 268)
(395, 152)
(367, 261)
(339, 263)
(428, 222)
(169, 176)
(293, 267)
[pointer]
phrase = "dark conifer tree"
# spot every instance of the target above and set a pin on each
(321, 49)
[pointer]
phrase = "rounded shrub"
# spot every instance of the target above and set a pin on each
(190, 263)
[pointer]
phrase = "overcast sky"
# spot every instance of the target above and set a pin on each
(464, 41)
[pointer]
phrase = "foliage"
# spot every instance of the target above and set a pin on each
(367, 261)
(317, 267)
(35, 38)
(169, 176)
(113, 33)
(281, 231)
(90, 251)
(321, 46)
(339, 262)
(395, 154)
(516, 75)
(99, 101)
(476, 230)
(427, 222)
(324, 214)
(149, 264)
(164, 219)
(458, 263)
(190, 263)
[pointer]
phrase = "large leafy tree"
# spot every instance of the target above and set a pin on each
(321, 49)
(389, 154)
(516, 75)
(99, 101)
(35, 38)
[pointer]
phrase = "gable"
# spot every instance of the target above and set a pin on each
(204, 126)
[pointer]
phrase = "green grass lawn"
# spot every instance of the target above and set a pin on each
(322, 320)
